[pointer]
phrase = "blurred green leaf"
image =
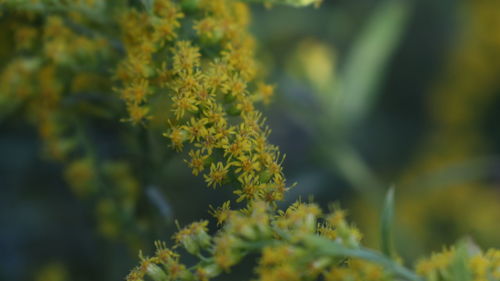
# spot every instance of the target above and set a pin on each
(335, 249)
(386, 225)
(459, 266)
(148, 5)
(365, 66)
(347, 160)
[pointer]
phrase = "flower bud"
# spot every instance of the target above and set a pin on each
(194, 237)
(156, 273)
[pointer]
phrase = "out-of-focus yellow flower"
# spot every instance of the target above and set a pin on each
(314, 61)
(54, 271)
(80, 175)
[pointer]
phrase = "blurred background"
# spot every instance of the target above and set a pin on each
(370, 94)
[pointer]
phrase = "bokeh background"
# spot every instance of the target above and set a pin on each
(370, 94)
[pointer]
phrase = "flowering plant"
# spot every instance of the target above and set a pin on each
(186, 70)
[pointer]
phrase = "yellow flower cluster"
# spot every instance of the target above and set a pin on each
(52, 271)
(144, 33)
(358, 270)
(190, 65)
(285, 240)
(301, 243)
(461, 263)
(210, 83)
(37, 79)
(51, 66)
(212, 88)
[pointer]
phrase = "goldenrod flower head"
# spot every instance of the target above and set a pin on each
(221, 213)
(178, 136)
(212, 95)
(246, 166)
(251, 188)
(277, 255)
(53, 271)
(197, 162)
(217, 175)
(299, 218)
(81, 175)
(226, 252)
(185, 58)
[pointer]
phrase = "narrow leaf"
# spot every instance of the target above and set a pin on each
(335, 249)
(368, 60)
(386, 225)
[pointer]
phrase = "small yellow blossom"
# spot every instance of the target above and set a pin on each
(250, 189)
(246, 165)
(183, 104)
(217, 175)
(197, 162)
(177, 136)
(186, 57)
(266, 92)
(221, 213)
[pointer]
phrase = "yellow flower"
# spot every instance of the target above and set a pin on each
(186, 57)
(136, 92)
(277, 255)
(237, 147)
(438, 261)
(216, 176)
(250, 188)
(80, 174)
(479, 265)
(246, 165)
(234, 86)
(178, 136)
(221, 213)
(137, 66)
(215, 115)
(265, 91)
(196, 129)
(187, 83)
(197, 162)
(216, 74)
(164, 255)
(225, 251)
(183, 103)
(167, 9)
(137, 113)
(209, 29)
(164, 29)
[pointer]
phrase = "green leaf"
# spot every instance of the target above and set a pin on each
(331, 248)
(367, 61)
(355, 170)
(386, 225)
(459, 268)
(148, 5)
